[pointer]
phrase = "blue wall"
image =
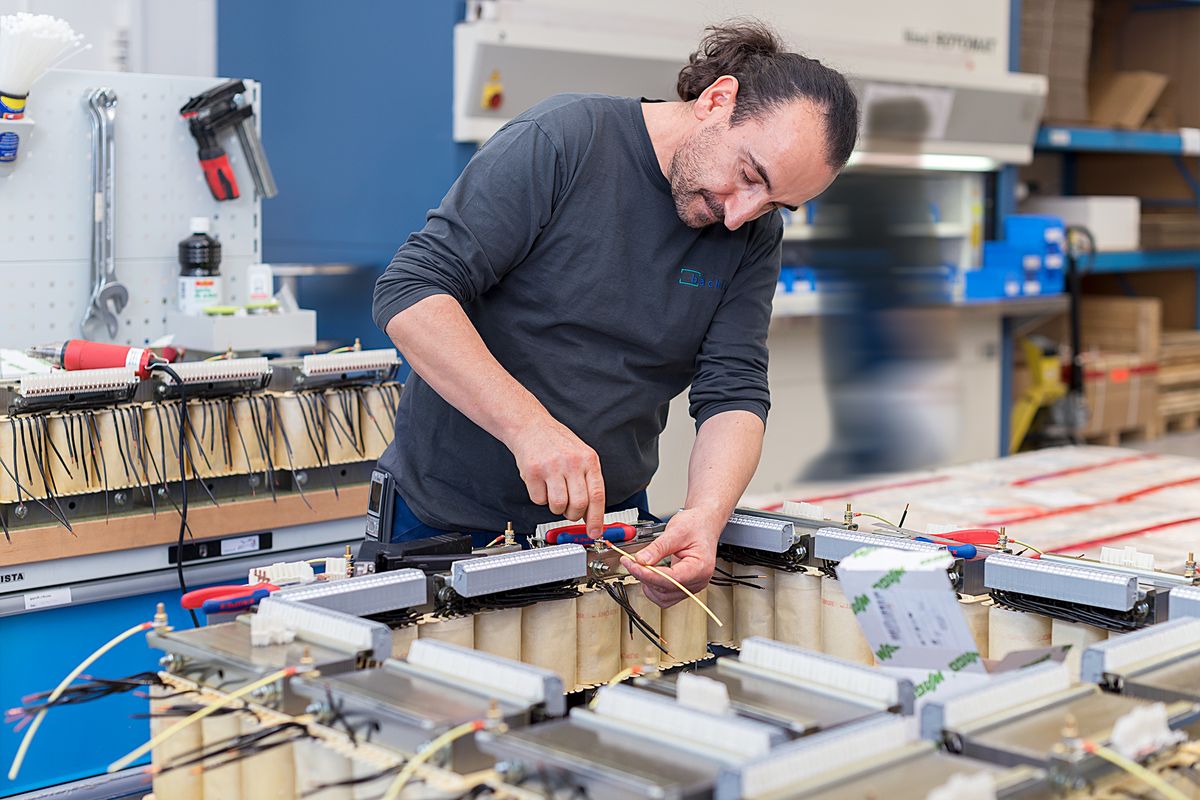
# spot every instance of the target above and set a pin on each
(357, 126)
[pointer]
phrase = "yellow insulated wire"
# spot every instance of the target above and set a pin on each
(1135, 769)
(210, 708)
(678, 585)
(420, 758)
(58, 690)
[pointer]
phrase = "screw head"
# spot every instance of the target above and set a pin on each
(120, 498)
(162, 491)
(21, 511)
(255, 481)
(301, 477)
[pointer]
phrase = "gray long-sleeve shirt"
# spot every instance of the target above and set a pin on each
(561, 241)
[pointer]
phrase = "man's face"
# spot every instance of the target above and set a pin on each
(733, 174)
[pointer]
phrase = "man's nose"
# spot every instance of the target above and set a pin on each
(738, 211)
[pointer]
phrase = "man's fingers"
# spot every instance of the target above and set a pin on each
(556, 494)
(661, 597)
(595, 503)
(537, 491)
(577, 500)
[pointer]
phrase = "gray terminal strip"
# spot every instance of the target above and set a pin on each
(1184, 601)
(504, 573)
(769, 534)
(1057, 581)
(835, 544)
(363, 595)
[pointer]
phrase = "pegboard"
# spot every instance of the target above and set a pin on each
(46, 207)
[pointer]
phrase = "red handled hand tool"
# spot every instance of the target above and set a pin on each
(223, 599)
(577, 534)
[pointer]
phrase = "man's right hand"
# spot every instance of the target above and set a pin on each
(562, 472)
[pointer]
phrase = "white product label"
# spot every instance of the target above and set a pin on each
(1033, 287)
(1189, 138)
(48, 598)
(133, 358)
(242, 544)
(197, 293)
(1054, 261)
(1031, 262)
(1060, 137)
(259, 283)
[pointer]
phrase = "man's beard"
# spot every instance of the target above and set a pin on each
(685, 176)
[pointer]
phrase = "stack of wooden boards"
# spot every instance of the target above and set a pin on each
(1179, 380)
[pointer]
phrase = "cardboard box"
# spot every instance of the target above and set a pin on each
(1121, 390)
(1121, 325)
(1166, 41)
(1113, 221)
(1171, 230)
(1125, 99)
(1056, 42)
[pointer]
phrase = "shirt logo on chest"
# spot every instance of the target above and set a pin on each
(695, 279)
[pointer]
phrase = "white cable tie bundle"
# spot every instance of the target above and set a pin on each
(629, 517)
(351, 361)
(808, 667)
(61, 381)
(1143, 731)
(29, 45)
(798, 508)
(227, 369)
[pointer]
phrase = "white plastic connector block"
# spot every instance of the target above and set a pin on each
(701, 693)
(798, 508)
(353, 361)
(335, 569)
(1143, 731)
(84, 380)
(629, 517)
(265, 631)
(1126, 557)
(285, 573)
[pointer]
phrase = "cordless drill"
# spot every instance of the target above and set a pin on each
(209, 115)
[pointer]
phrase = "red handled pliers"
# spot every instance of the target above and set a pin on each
(577, 534)
(224, 599)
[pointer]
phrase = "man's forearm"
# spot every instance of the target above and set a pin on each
(443, 347)
(724, 458)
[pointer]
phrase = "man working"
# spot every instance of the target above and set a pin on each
(596, 256)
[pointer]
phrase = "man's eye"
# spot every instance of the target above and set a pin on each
(746, 177)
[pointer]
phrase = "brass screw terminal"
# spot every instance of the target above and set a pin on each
(160, 616)
(1002, 539)
(1189, 566)
(848, 519)
(349, 562)
(510, 536)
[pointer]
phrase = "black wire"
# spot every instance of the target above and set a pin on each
(183, 489)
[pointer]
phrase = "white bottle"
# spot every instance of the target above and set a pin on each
(260, 284)
(199, 269)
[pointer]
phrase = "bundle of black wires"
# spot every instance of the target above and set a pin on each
(165, 368)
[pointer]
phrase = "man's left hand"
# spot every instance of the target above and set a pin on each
(691, 540)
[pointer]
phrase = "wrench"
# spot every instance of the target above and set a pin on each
(109, 296)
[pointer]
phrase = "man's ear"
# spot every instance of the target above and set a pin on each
(718, 98)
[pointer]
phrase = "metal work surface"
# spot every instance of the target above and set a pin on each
(230, 641)
(798, 710)
(620, 765)
(910, 779)
(1031, 738)
(1179, 680)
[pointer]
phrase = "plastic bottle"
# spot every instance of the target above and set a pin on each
(199, 269)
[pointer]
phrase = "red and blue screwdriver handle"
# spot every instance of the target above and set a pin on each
(577, 534)
(224, 599)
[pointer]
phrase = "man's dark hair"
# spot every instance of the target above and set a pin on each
(768, 76)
